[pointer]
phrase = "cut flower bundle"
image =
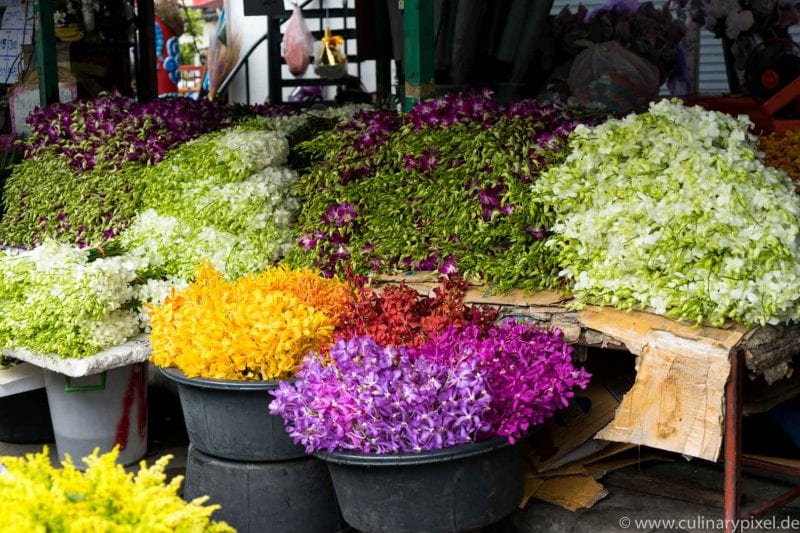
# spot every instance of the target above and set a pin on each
(445, 187)
(459, 388)
(59, 300)
(674, 211)
(254, 328)
(224, 197)
(429, 384)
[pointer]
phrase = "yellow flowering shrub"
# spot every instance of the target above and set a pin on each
(35, 497)
(244, 329)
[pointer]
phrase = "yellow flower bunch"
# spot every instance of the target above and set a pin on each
(257, 327)
(35, 497)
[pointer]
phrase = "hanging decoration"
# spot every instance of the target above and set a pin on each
(330, 62)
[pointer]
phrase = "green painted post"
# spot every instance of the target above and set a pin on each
(418, 51)
(46, 52)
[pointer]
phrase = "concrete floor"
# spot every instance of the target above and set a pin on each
(622, 507)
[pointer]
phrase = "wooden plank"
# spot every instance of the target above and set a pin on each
(518, 298)
(761, 396)
(783, 461)
(769, 350)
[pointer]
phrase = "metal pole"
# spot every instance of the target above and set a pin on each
(274, 59)
(146, 81)
(383, 45)
(418, 51)
(46, 52)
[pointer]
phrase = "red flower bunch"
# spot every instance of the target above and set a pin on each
(400, 316)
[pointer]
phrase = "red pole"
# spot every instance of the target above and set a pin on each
(733, 442)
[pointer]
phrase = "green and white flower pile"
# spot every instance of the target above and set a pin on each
(673, 210)
(54, 299)
(224, 197)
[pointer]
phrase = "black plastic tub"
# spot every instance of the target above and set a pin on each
(452, 489)
(231, 419)
(25, 418)
(287, 496)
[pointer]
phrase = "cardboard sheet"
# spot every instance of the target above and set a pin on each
(575, 486)
(560, 439)
(677, 401)
(570, 492)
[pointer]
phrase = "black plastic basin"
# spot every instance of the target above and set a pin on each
(281, 497)
(452, 489)
(231, 419)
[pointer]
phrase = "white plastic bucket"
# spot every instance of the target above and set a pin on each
(100, 411)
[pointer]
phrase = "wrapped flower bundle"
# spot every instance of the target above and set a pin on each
(400, 316)
(673, 210)
(445, 187)
(39, 497)
(56, 299)
(257, 327)
(223, 197)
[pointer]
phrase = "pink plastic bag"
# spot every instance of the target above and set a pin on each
(298, 43)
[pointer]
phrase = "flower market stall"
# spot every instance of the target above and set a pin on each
(374, 320)
(663, 233)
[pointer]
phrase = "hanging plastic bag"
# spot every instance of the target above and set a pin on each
(611, 76)
(330, 62)
(298, 43)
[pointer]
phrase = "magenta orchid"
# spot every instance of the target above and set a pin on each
(460, 387)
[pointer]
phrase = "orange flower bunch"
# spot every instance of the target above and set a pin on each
(783, 151)
(257, 327)
(327, 295)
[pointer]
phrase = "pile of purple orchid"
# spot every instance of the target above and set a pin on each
(112, 129)
(445, 187)
(460, 387)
